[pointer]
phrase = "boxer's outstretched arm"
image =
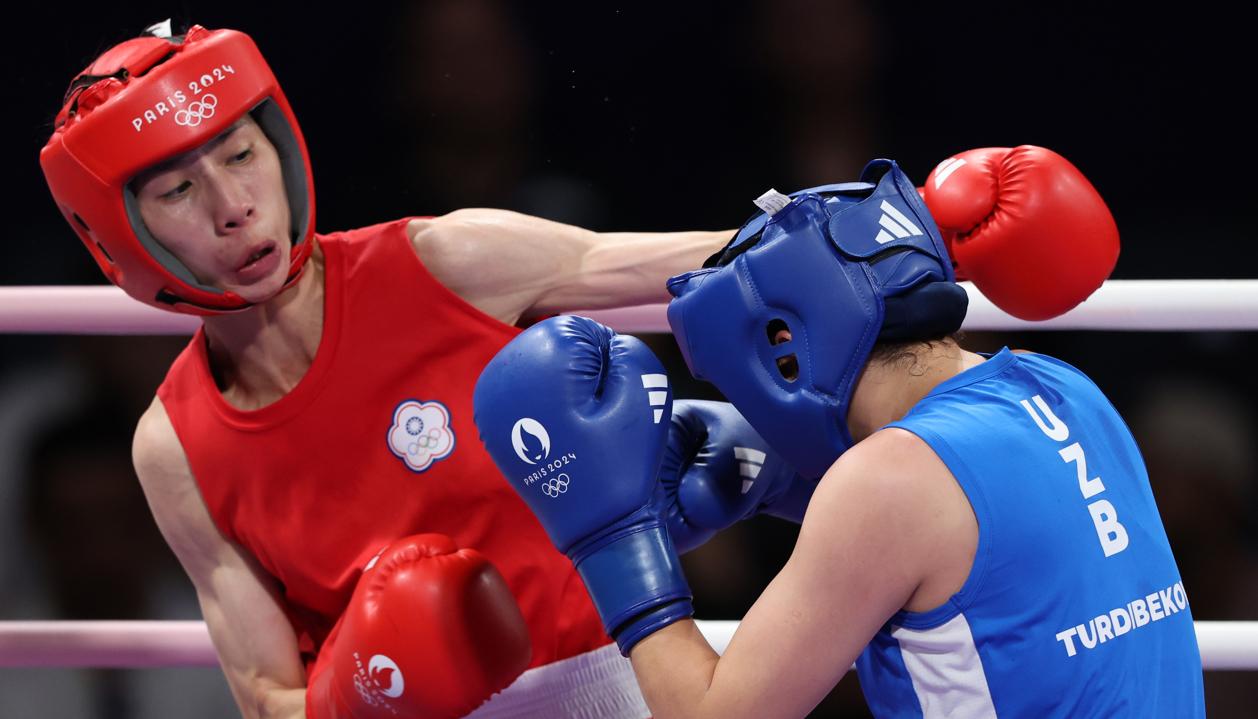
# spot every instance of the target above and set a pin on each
(881, 523)
(511, 265)
(255, 643)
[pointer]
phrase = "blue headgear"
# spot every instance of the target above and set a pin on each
(840, 267)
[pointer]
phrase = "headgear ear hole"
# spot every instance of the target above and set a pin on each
(104, 252)
(778, 331)
(81, 222)
(788, 367)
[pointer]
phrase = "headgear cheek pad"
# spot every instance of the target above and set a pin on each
(146, 101)
(839, 267)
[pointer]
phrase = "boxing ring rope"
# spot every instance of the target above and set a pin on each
(1134, 305)
(149, 644)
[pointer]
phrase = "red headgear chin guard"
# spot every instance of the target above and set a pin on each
(145, 101)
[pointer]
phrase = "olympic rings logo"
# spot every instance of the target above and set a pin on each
(192, 115)
(431, 440)
(556, 486)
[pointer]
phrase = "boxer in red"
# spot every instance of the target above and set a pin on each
(321, 416)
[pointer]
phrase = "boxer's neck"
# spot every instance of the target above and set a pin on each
(887, 390)
(259, 355)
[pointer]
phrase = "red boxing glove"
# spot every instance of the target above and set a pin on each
(948, 236)
(1030, 230)
(431, 632)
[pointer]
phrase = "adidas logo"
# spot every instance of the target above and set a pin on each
(894, 225)
(659, 397)
(749, 463)
(946, 168)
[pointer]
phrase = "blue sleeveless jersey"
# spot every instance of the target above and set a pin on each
(1074, 606)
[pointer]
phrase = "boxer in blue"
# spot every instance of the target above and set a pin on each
(982, 540)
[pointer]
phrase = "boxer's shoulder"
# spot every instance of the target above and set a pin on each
(456, 247)
(895, 476)
(155, 448)
(907, 463)
(896, 455)
(498, 261)
(888, 517)
(476, 234)
(870, 476)
(171, 490)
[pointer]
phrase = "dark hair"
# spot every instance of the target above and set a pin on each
(907, 352)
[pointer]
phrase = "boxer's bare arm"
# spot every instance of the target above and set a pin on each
(511, 265)
(255, 643)
(887, 528)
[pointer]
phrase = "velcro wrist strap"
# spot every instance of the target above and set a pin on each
(632, 572)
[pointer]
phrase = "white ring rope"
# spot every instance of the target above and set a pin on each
(1149, 305)
(145, 644)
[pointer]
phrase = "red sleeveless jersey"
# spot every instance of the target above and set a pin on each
(376, 442)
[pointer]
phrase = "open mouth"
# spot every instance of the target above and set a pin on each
(257, 257)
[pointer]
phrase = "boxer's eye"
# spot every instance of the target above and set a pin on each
(778, 332)
(177, 191)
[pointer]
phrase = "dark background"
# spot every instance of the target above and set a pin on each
(656, 116)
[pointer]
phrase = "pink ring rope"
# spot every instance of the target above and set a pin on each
(145, 644)
(1147, 305)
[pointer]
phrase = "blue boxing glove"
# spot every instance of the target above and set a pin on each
(718, 471)
(576, 416)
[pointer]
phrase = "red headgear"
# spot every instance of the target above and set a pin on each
(145, 101)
